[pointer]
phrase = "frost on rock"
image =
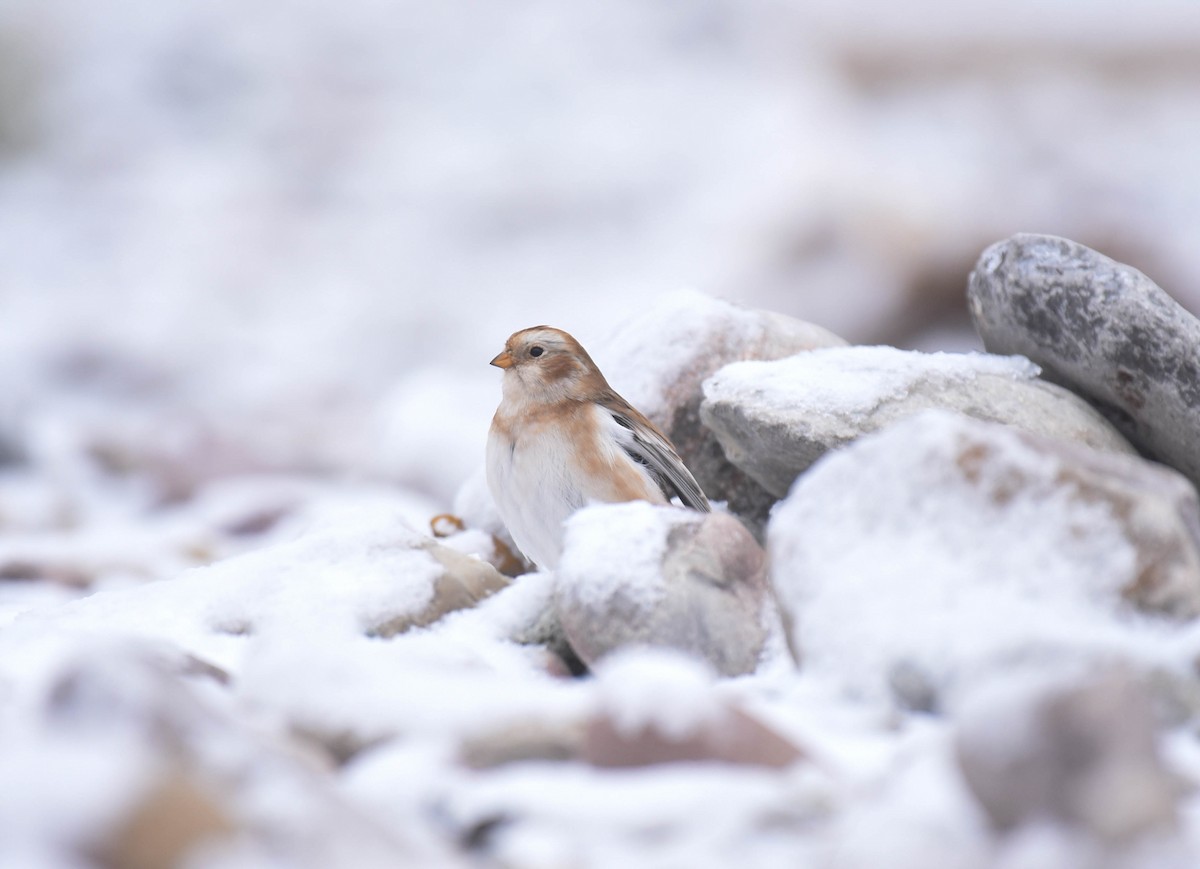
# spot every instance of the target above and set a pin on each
(943, 547)
(639, 574)
(774, 419)
(1074, 748)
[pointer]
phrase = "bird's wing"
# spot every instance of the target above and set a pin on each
(648, 446)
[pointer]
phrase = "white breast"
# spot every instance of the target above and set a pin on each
(537, 481)
(533, 485)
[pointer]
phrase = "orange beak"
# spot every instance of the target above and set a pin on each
(504, 360)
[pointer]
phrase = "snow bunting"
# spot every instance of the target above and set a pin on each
(562, 439)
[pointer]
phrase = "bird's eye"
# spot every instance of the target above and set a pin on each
(536, 351)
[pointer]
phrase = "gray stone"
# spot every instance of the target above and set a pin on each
(1078, 751)
(703, 334)
(1100, 328)
(635, 574)
(774, 419)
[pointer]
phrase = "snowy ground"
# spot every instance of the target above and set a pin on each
(253, 262)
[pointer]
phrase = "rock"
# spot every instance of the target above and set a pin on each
(657, 707)
(523, 741)
(1100, 328)
(464, 581)
(659, 360)
(942, 547)
(176, 818)
(145, 768)
(1078, 751)
(637, 574)
(453, 532)
(774, 419)
(732, 737)
(653, 706)
(369, 572)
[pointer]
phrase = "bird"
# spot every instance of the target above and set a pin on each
(562, 439)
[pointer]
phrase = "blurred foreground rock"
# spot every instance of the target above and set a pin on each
(161, 776)
(774, 419)
(176, 818)
(659, 707)
(942, 546)
(636, 574)
(654, 706)
(1080, 751)
(1100, 328)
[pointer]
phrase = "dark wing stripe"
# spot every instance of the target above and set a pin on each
(663, 463)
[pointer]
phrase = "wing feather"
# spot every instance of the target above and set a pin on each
(650, 447)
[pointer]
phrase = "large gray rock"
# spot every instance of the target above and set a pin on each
(1074, 750)
(920, 558)
(635, 574)
(659, 360)
(1100, 328)
(774, 419)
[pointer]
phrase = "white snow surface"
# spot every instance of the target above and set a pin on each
(254, 259)
(850, 380)
(659, 689)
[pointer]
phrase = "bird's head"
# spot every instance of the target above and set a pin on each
(544, 364)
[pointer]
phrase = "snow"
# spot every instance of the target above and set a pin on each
(588, 571)
(254, 259)
(652, 350)
(853, 380)
(893, 556)
(655, 688)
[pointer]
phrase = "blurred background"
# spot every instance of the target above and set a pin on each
(256, 237)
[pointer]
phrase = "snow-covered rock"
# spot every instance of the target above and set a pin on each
(774, 419)
(121, 759)
(1074, 748)
(1101, 328)
(651, 706)
(639, 574)
(942, 547)
(659, 359)
(659, 707)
